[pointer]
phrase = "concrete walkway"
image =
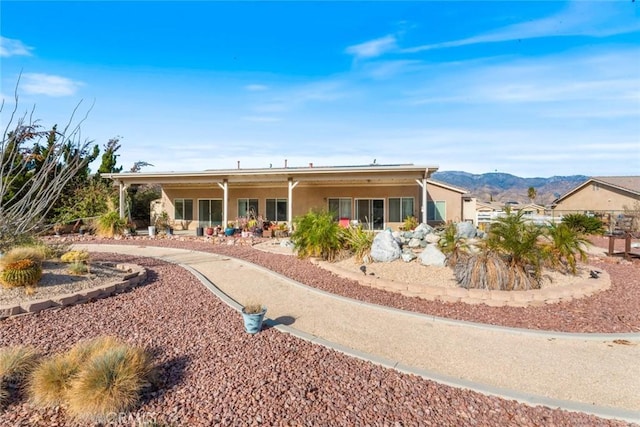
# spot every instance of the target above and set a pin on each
(592, 373)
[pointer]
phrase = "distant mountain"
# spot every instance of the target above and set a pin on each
(504, 187)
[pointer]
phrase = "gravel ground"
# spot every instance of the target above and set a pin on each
(213, 373)
(614, 310)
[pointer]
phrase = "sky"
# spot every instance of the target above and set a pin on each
(535, 89)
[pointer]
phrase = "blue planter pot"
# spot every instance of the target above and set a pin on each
(229, 231)
(253, 322)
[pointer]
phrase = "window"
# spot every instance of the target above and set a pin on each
(183, 209)
(400, 208)
(210, 212)
(247, 207)
(277, 209)
(436, 211)
(340, 207)
(370, 213)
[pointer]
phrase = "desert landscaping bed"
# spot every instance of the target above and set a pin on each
(213, 373)
(616, 309)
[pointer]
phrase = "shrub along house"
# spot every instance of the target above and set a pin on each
(377, 196)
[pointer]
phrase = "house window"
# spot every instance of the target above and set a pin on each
(400, 208)
(247, 207)
(436, 211)
(595, 186)
(370, 213)
(341, 208)
(277, 209)
(183, 209)
(209, 212)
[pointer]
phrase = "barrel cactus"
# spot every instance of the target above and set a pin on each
(75, 256)
(25, 273)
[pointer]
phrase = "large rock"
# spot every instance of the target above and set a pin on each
(408, 255)
(432, 238)
(431, 255)
(465, 230)
(385, 248)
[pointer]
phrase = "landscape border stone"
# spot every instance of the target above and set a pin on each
(133, 275)
(494, 298)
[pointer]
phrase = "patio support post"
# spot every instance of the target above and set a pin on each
(122, 201)
(423, 183)
(225, 201)
(292, 185)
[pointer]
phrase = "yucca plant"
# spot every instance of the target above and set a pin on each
(358, 241)
(317, 235)
(565, 247)
(25, 273)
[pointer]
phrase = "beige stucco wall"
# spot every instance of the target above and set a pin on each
(596, 198)
(306, 197)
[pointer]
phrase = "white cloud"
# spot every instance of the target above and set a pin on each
(12, 47)
(256, 87)
(373, 48)
(50, 85)
(580, 18)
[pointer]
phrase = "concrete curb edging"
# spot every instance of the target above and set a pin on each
(133, 275)
(529, 399)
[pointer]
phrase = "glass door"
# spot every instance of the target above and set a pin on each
(209, 212)
(370, 213)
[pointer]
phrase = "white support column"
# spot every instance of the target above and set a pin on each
(423, 183)
(225, 202)
(122, 202)
(292, 185)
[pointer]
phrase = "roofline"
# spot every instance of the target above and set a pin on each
(290, 171)
(584, 184)
(447, 186)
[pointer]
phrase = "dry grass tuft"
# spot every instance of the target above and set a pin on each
(17, 362)
(48, 383)
(36, 254)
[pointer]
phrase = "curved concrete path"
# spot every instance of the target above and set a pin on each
(592, 373)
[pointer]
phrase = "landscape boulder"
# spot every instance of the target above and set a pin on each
(431, 255)
(465, 230)
(385, 248)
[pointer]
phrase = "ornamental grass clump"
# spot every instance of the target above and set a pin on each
(16, 363)
(36, 254)
(317, 234)
(78, 261)
(93, 379)
(26, 273)
(359, 242)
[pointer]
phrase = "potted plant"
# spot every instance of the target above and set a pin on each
(209, 231)
(253, 316)
(230, 230)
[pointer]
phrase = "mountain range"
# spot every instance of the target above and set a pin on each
(504, 187)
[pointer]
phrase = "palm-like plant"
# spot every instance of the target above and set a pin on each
(565, 246)
(453, 246)
(358, 241)
(317, 235)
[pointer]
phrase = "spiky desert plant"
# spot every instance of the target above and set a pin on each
(488, 270)
(75, 256)
(358, 241)
(317, 235)
(110, 382)
(34, 253)
(110, 224)
(78, 268)
(583, 224)
(565, 247)
(454, 247)
(25, 273)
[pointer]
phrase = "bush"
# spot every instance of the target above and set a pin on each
(583, 224)
(564, 247)
(93, 379)
(75, 256)
(489, 270)
(110, 224)
(25, 273)
(15, 364)
(358, 241)
(454, 247)
(317, 235)
(410, 223)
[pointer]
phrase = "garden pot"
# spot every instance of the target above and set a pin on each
(152, 230)
(229, 231)
(253, 322)
(200, 231)
(169, 231)
(209, 231)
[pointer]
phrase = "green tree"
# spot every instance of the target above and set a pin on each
(532, 194)
(110, 158)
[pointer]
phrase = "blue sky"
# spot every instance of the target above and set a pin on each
(530, 88)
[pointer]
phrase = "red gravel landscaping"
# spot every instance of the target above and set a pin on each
(213, 373)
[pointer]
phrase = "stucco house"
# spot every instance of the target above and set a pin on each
(377, 196)
(606, 195)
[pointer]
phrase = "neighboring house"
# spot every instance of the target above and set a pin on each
(487, 212)
(602, 195)
(378, 196)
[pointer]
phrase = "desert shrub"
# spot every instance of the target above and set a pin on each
(358, 241)
(75, 256)
(25, 273)
(583, 223)
(110, 382)
(564, 247)
(455, 248)
(110, 224)
(317, 235)
(78, 268)
(15, 364)
(489, 270)
(410, 223)
(93, 379)
(19, 253)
